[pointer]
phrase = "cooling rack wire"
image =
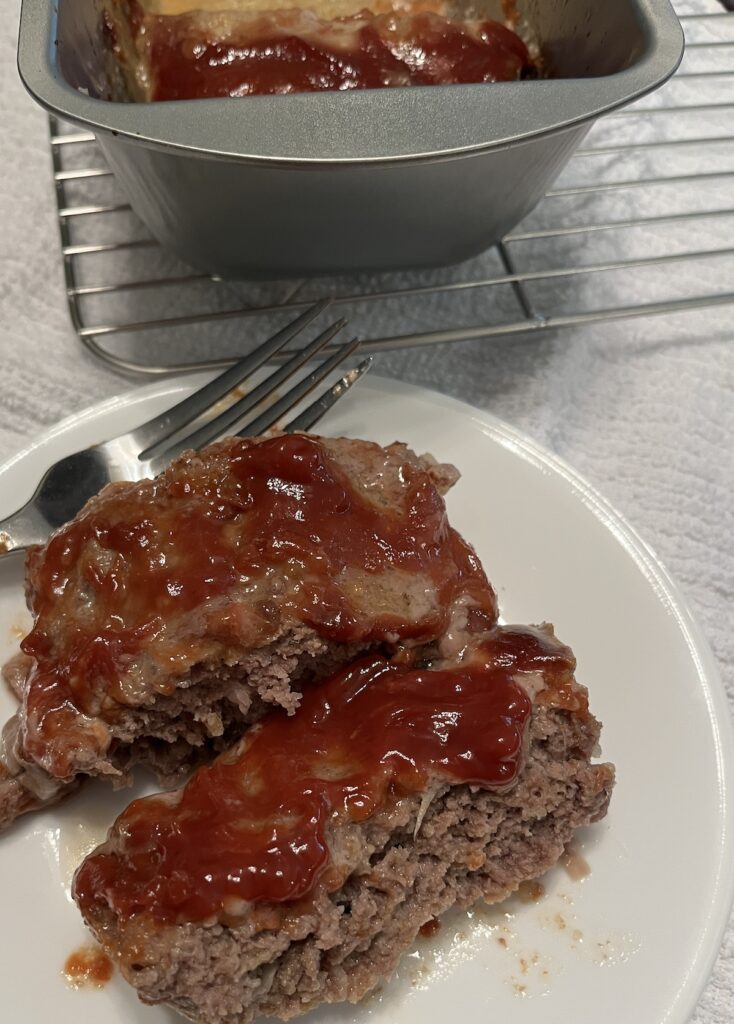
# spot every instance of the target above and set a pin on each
(640, 224)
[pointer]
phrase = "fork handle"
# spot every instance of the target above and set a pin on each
(25, 527)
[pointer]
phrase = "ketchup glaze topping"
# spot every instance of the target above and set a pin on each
(215, 557)
(295, 51)
(254, 826)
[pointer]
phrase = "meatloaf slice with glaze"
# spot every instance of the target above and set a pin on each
(297, 869)
(170, 613)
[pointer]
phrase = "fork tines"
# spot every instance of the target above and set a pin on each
(234, 419)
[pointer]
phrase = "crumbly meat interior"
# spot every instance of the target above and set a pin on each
(409, 864)
(171, 735)
(176, 693)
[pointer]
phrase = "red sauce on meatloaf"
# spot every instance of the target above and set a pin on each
(217, 553)
(364, 51)
(254, 826)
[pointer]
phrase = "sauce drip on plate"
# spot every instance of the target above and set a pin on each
(88, 967)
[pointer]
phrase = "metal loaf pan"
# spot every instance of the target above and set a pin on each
(363, 180)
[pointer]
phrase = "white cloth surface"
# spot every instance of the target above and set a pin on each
(644, 409)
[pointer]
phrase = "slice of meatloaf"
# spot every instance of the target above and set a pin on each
(170, 613)
(274, 882)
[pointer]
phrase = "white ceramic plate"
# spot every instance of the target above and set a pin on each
(636, 939)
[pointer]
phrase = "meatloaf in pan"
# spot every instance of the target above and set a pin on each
(168, 50)
(170, 613)
(299, 867)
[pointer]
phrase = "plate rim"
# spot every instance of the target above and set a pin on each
(667, 591)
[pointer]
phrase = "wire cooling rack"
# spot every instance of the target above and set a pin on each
(640, 224)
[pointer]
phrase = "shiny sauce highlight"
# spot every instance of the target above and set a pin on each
(254, 826)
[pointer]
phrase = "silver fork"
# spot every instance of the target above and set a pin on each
(146, 450)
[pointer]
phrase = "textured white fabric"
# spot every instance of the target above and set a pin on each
(644, 409)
